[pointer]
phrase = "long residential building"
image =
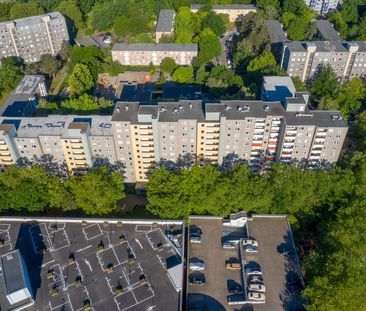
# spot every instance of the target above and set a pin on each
(149, 53)
(141, 135)
(304, 59)
(31, 37)
(234, 11)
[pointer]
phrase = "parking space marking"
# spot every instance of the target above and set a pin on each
(57, 225)
(143, 228)
(139, 243)
(83, 249)
(109, 285)
(5, 234)
(94, 236)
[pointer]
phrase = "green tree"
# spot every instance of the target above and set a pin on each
(214, 22)
(325, 84)
(10, 73)
(350, 95)
(209, 46)
(299, 85)
(49, 65)
(262, 63)
(65, 51)
(183, 74)
(168, 65)
(80, 80)
(98, 192)
(24, 189)
(336, 269)
(185, 25)
(25, 9)
(85, 102)
(70, 9)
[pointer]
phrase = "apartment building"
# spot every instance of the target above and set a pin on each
(140, 135)
(322, 6)
(234, 11)
(165, 24)
(148, 53)
(304, 59)
(31, 37)
(313, 138)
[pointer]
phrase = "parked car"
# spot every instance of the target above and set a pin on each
(194, 230)
(253, 271)
(235, 288)
(256, 279)
(256, 296)
(251, 249)
(196, 264)
(250, 242)
(195, 239)
(257, 288)
(228, 245)
(197, 278)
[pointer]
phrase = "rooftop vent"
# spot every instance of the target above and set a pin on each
(336, 117)
(304, 115)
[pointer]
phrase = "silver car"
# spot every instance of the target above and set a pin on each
(257, 288)
(256, 296)
(196, 264)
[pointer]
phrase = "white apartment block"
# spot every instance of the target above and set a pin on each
(234, 11)
(141, 135)
(31, 37)
(304, 59)
(143, 54)
(322, 6)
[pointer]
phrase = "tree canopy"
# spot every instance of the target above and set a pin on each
(80, 80)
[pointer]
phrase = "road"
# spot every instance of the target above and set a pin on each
(225, 47)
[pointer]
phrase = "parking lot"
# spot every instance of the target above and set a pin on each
(106, 266)
(221, 284)
(213, 295)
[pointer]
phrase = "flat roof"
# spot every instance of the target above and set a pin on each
(225, 6)
(13, 272)
(121, 47)
(132, 256)
(271, 82)
(327, 31)
(235, 109)
(31, 20)
(57, 125)
(316, 117)
(165, 21)
(271, 232)
(276, 32)
(19, 104)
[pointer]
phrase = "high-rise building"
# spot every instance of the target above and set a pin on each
(322, 6)
(304, 59)
(139, 135)
(31, 37)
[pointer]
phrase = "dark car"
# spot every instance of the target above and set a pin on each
(194, 230)
(234, 287)
(197, 279)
